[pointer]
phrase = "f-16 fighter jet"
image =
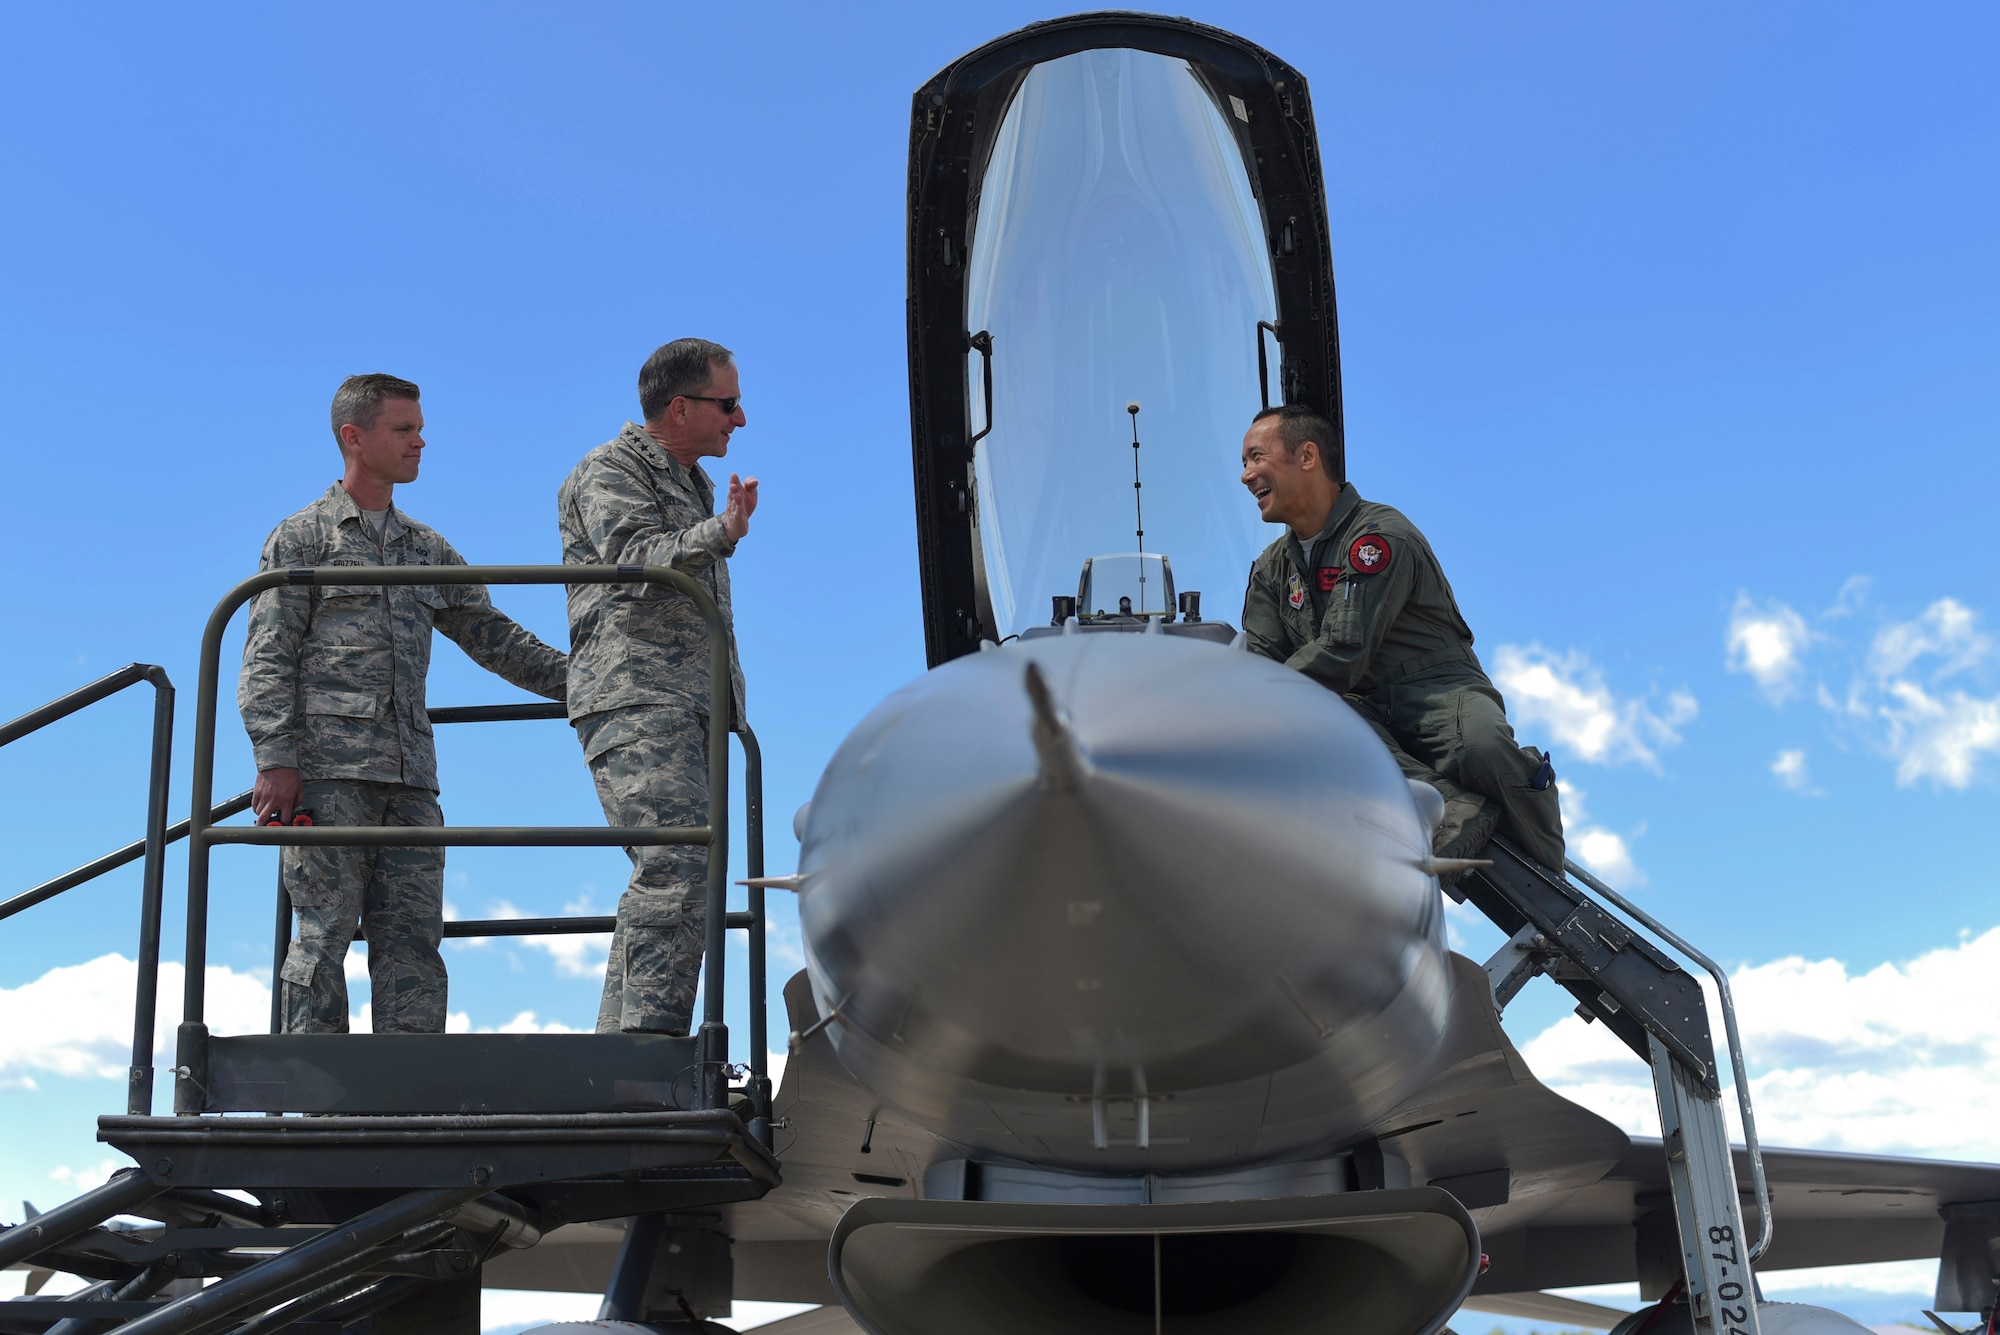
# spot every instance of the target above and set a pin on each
(1128, 1005)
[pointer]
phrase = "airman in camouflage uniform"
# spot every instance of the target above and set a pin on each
(1353, 596)
(332, 693)
(639, 656)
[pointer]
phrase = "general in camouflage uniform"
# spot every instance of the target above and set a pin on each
(333, 689)
(639, 655)
(1363, 607)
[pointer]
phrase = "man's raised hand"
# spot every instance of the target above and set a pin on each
(742, 504)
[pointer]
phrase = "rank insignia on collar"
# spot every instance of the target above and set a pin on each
(1295, 591)
(1369, 553)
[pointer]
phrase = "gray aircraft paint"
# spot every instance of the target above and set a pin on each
(1194, 898)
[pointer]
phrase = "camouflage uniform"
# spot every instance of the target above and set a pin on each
(333, 686)
(1367, 612)
(638, 696)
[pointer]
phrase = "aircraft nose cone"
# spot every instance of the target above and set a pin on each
(1113, 851)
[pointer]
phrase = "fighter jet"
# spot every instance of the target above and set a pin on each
(1127, 1004)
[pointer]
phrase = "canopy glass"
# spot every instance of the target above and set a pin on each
(1118, 257)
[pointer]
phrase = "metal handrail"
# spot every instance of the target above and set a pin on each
(110, 862)
(152, 879)
(1737, 1065)
(82, 698)
(192, 1038)
(133, 851)
(752, 920)
(753, 852)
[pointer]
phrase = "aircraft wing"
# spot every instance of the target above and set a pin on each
(1831, 1209)
(1562, 1197)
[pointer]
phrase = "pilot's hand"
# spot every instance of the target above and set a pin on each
(742, 504)
(278, 789)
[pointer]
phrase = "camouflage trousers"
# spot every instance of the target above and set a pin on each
(650, 765)
(397, 894)
(1454, 728)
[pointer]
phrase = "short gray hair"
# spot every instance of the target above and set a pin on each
(683, 366)
(358, 401)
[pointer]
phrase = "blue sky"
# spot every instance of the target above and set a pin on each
(1674, 329)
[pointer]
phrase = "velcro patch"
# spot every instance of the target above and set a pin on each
(1369, 553)
(1328, 577)
(1295, 592)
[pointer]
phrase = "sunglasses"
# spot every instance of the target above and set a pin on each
(727, 405)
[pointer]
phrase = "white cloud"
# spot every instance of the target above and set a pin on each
(1901, 1059)
(1769, 643)
(75, 1020)
(1940, 738)
(1932, 732)
(526, 1023)
(575, 955)
(1604, 851)
(1898, 697)
(1946, 630)
(1567, 696)
(83, 1179)
(1792, 773)
(1607, 854)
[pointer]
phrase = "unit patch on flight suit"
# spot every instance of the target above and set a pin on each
(1369, 553)
(1295, 592)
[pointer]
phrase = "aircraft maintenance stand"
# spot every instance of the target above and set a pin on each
(386, 1168)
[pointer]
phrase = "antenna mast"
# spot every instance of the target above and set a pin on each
(1138, 510)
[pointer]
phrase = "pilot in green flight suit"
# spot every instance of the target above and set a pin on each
(1353, 597)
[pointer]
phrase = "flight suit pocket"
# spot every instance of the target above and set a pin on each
(1342, 624)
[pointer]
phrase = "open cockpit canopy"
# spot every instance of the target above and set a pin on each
(1117, 234)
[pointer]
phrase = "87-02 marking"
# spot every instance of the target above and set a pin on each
(1728, 1291)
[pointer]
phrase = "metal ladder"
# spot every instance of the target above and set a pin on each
(1657, 1009)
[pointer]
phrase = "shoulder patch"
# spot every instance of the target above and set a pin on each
(1368, 554)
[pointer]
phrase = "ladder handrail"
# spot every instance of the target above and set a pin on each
(119, 857)
(110, 862)
(153, 847)
(1765, 1224)
(82, 698)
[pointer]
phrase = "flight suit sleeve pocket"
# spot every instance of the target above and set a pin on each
(1344, 623)
(344, 704)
